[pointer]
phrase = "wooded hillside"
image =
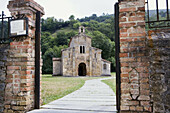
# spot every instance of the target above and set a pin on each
(56, 35)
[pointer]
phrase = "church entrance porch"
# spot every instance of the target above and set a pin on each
(82, 69)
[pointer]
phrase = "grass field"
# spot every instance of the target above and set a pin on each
(111, 82)
(56, 87)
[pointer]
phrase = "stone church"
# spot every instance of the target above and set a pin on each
(81, 59)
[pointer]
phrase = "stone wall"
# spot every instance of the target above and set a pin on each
(57, 67)
(106, 69)
(67, 61)
(71, 57)
(96, 61)
(159, 58)
(3, 72)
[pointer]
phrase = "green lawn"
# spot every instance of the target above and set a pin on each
(111, 82)
(56, 87)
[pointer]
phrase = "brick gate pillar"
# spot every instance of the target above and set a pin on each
(19, 91)
(133, 57)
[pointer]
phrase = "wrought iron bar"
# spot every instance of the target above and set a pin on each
(157, 10)
(117, 51)
(167, 9)
(148, 9)
(2, 25)
(4, 37)
(37, 61)
(158, 23)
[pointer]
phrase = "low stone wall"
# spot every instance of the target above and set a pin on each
(3, 59)
(57, 67)
(159, 57)
(106, 69)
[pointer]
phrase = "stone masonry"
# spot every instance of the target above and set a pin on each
(159, 57)
(79, 57)
(3, 59)
(17, 63)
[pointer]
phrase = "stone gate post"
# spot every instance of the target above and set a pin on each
(133, 57)
(19, 90)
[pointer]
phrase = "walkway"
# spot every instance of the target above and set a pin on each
(94, 97)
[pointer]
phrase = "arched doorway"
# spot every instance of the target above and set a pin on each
(82, 69)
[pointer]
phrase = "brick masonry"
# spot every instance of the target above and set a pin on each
(19, 91)
(144, 62)
(17, 63)
(144, 59)
(133, 57)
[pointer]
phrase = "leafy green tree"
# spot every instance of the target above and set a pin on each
(47, 61)
(76, 25)
(70, 34)
(100, 41)
(61, 39)
(45, 36)
(57, 50)
(85, 24)
(72, 17)
(93, 25)
(49, 24)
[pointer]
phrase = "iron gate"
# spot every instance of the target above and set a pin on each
(157, 22)
(4, 28)
(37, 60)
(117, 51)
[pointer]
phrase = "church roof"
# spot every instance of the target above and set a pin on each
(56, 59)
(81, 33)
(106, 61)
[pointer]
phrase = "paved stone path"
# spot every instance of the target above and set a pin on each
(94, 97)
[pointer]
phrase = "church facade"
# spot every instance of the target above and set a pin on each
(81, 59)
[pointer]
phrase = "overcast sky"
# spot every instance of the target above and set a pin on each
(64, 8)
(79, 8)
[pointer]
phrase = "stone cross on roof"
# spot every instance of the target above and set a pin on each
(81, 29)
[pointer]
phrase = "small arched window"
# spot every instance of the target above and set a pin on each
(82, 49)
(81, 30)
(104, 66)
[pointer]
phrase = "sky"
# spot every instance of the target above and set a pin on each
(64, 8)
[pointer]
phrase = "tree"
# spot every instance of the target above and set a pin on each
(100, 41)
(72, 17)
(76, 25)
(47, 61)
(93, 25)
(57, 50)
(45, 37)
(70, 34)
(49, 24)
(61, 39)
